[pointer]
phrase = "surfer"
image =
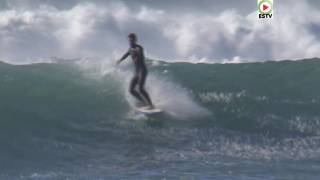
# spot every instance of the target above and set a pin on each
(140, 73)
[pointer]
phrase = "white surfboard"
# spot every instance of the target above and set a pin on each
(148, 111)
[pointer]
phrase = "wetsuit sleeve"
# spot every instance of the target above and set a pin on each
(124, 56)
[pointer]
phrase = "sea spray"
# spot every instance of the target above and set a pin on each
(166, 94)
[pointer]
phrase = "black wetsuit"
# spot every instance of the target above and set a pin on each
(140, 74)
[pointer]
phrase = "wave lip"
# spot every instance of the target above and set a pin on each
(271, 96)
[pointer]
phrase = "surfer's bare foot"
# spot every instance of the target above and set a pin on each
(147, 107)
(141, 104)
(151, 106)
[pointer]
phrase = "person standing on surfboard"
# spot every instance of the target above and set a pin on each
(140, 73)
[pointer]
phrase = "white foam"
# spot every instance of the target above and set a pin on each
(173, 98)
(166, 94)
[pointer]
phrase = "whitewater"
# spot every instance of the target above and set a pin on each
(74, 119)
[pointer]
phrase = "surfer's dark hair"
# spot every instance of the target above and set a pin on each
(132, 36)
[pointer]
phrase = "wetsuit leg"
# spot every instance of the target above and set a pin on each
(141, 82)
(132, 90)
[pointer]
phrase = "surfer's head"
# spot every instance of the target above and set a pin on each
(132, 38)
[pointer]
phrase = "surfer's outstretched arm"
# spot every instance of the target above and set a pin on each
(123, 57)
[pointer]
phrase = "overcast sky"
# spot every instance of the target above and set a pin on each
(202, 30)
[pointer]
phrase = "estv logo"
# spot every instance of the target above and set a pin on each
(265, 8)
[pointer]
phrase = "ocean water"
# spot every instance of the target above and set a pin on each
(74, 120)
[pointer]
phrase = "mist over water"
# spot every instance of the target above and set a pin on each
(75, 120)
